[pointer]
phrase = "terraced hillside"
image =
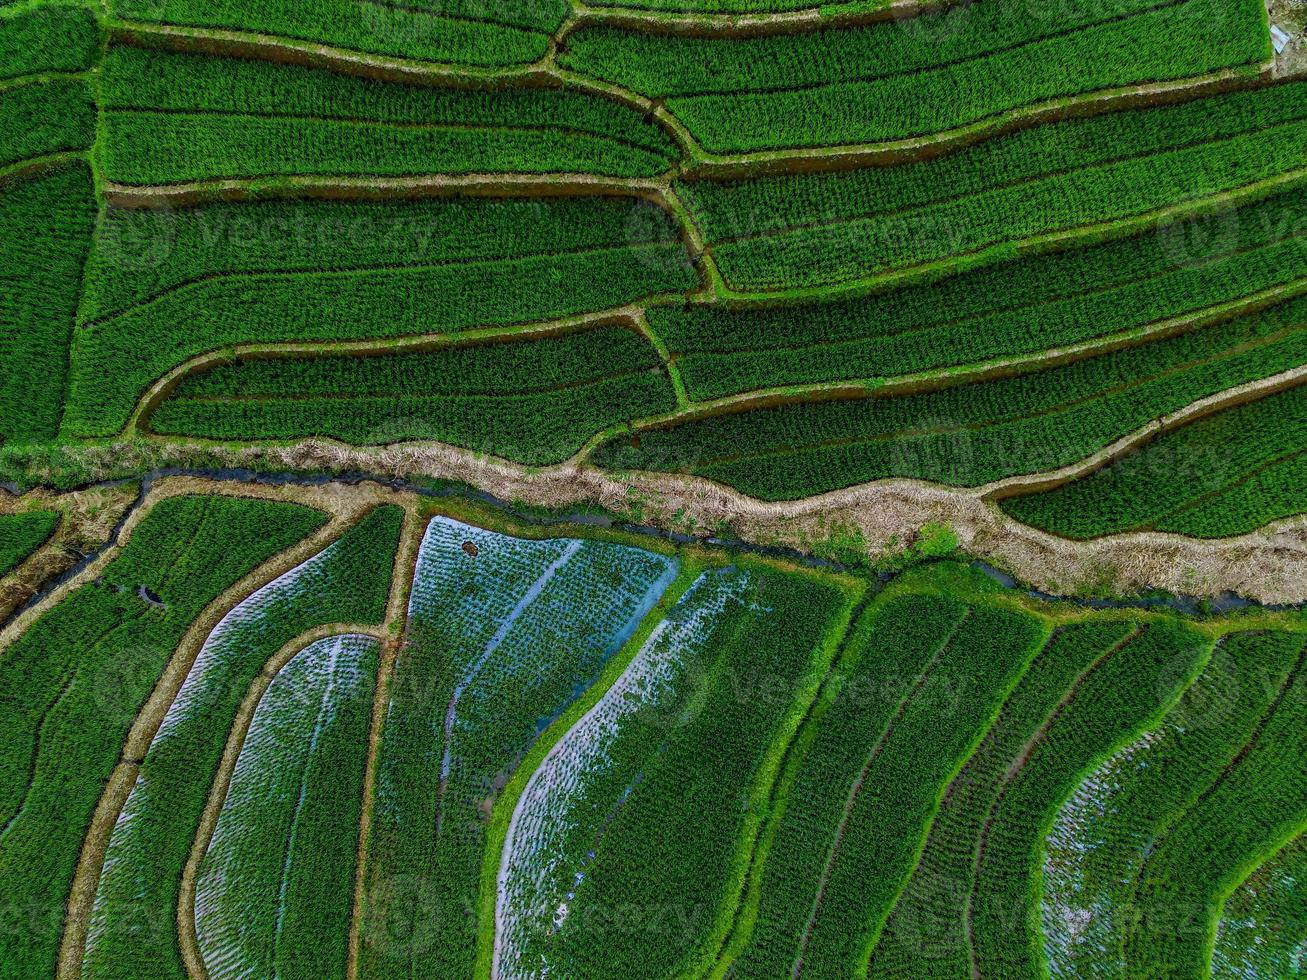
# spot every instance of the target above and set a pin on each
(783, 253)
(623, 488)
(379, 733)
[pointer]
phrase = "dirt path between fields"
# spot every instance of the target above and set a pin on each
(186, 928)
(96, 842)
(696, 162)
(392, 631)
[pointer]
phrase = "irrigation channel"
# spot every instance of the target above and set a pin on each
(1185, 605)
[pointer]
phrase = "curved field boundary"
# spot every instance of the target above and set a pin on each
(391, 634)
(120, 784)
(658, 192)
(855, 789)
(1015, 768)
(504, 818)
(292, 51)
(323, 499)
(39, 166)
(938, 378)
(851, 13)
(697, 163)
(1055, 241)
(423, 343)
(190, 945)
(634, 318)
(87, 525)
(704, 165)
(1230, 398)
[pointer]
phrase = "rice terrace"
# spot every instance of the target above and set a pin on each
(641, 489)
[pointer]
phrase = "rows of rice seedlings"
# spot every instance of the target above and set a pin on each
(1226, 474)
(1017, 308)
(21, 534)
(975, 433)
(1128, 693)
(468, 32)
(532, 400)
(1263, 929)
(656, 843)
(45, 232)
(78, 676)
(132, 929)
(918, 687)
(47, 37)
(275, 888)
(746, 7)
(43, 117)
(903, 79)
(592, 771)
(1256, 805)
(180, 117)
(503, 634)
(1101, 844)
(166, 285)
(927, 933)
(803, 231)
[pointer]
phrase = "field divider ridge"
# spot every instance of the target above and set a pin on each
(1014, 769)
(392, 640)
(855, 790)
(791, 761)
(39, 166)
(678, 23)
(114, 797)
(706, 165)
(935, 379)
(996, 252)
(494, 864)
(647, 331)
(188, 936)
(624, 316)
(657, 192)
(1023, 485)
(697, 162)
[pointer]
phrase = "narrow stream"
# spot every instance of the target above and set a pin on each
(1185, 605)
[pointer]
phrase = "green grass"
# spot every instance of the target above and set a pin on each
(466, 32)
(77, 678)
(970, 434)
(1264, 923)
(534, 401)
(1101, 840)
(47, 37)
(21, 534)
(45, 229)
(1227, 474)
(180, 117)
(163, 286)
(275, 889)
(910, 78)
(497, 645)
(132, 931)
(804, 231)
(1020, 307)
